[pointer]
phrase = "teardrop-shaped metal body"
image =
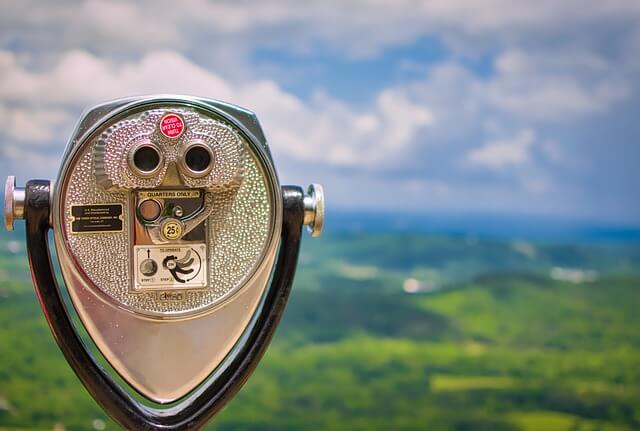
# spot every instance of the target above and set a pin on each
(166, 263)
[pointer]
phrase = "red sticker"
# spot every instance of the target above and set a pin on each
(172, 125)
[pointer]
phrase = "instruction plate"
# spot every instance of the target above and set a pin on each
(180, 266)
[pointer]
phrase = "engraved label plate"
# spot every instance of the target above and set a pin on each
(170, 266)
(96, 218)
(169, 194)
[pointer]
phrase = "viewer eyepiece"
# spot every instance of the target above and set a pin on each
(145, 159)
(197, 159)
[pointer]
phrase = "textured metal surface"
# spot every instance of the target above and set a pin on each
(165, 348)
(113, 147)
(239, 228)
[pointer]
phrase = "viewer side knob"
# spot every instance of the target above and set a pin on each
(314, 209)
(14, 200)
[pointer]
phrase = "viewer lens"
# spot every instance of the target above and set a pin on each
(198, 159)
(146, 159)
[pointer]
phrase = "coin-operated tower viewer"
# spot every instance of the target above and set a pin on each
(177, 245)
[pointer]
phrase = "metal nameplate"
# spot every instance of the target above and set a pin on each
(102, 218)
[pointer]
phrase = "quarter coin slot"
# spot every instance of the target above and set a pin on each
(150, 210)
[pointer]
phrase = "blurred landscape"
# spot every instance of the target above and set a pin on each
(509, 297)
(459, 325)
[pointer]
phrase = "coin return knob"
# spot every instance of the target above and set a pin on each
(150, 209)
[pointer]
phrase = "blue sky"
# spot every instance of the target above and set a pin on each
(431, 106)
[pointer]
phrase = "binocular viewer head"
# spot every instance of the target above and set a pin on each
(168, 218)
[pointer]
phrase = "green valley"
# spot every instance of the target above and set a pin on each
(392, 332)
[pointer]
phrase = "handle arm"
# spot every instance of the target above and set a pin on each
(195, 410)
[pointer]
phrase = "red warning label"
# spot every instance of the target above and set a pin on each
(172, 125)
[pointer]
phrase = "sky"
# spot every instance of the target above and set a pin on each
(433, 106)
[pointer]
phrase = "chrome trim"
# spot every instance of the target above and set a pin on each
(183, 163)
(14, 202)
(314, 209)
(165, 357)
(131, 159)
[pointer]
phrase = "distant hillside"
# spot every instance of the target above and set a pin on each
(396, 331)
(483, 225)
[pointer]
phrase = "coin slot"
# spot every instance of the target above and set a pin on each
(150, 210)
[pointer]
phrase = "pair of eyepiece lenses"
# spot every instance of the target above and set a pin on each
(197, 159)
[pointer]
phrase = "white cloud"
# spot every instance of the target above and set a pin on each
(535, 184)
(80, 78)
(423, 188)
(555, 85)
(555, 63)
(357, 28)
(502, 153)
(34, 125)
(116, 26)
(19, 156)
(326, 131)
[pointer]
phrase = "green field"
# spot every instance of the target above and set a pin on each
(501, 335)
